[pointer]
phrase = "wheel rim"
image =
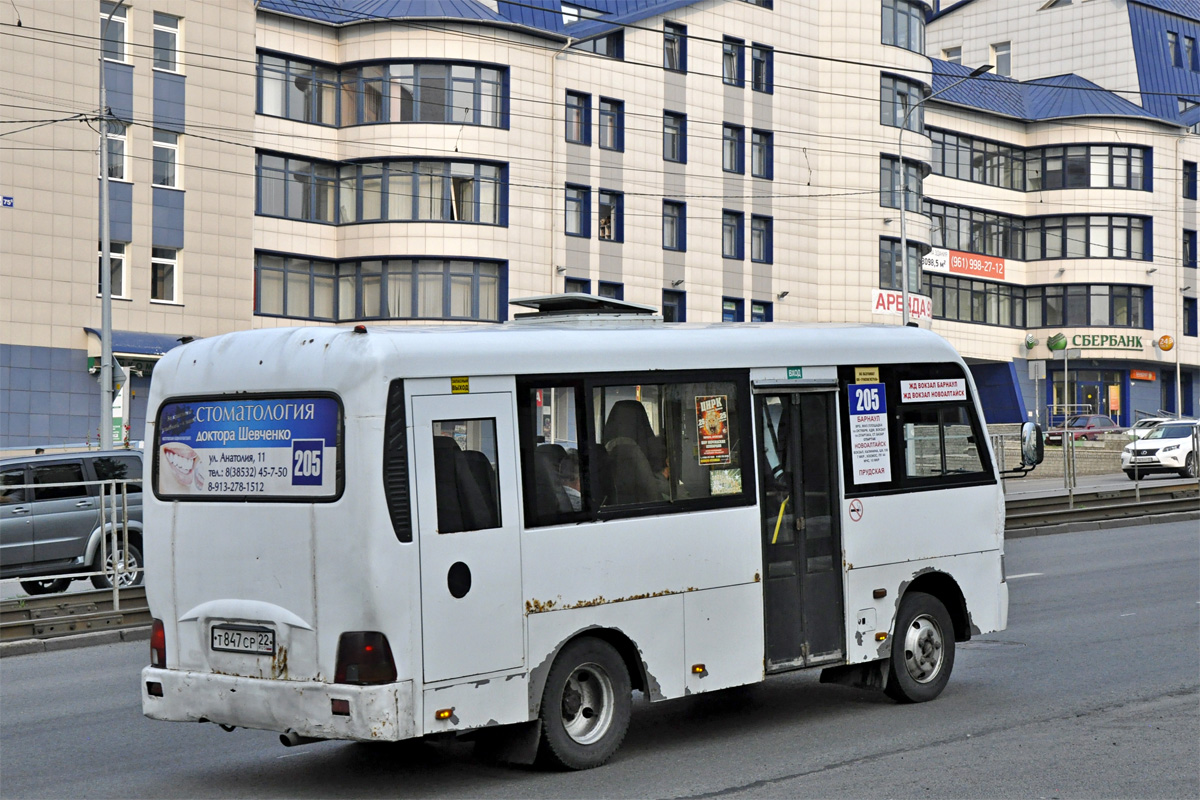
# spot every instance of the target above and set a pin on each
(587, 703)
(126, 561)
(924, 649)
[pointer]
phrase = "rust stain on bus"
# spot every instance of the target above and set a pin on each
(535, 606)
(279, 664)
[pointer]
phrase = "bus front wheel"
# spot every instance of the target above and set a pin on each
(586, 705)
(922, 650)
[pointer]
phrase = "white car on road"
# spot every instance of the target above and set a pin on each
(1168, 447)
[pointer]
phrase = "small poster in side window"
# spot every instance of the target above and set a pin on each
(712, 420)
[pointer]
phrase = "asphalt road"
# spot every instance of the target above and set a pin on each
(1092, 692)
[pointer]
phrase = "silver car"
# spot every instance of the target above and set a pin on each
(50, 520)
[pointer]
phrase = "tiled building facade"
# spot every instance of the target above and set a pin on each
(286, 163)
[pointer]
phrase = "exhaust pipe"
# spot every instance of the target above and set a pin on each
(290, 738)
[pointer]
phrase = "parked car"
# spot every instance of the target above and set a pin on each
(1145, 425)
(1168, 447)
(54, 526)
(1083, 426)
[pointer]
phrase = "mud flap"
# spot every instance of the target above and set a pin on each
(511, 744)
(871, 675)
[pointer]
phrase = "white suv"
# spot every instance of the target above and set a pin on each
(1168, 447)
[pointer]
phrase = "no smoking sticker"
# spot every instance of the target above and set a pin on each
(856, 510)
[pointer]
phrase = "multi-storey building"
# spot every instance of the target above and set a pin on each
(293, 162)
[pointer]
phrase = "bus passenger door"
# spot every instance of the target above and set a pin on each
(802, 550)
(466, 466)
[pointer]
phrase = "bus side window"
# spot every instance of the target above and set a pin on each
(464, 470)
(938, 440)
(555, 478)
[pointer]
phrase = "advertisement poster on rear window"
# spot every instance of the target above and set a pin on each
(712, 419)
(284, 448)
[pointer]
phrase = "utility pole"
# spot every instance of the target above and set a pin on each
(106, 352)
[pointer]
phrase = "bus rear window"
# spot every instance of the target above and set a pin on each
(249, 448)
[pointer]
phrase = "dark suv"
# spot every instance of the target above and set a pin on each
(50, 518)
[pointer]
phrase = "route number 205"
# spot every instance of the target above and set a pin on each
(868, 400)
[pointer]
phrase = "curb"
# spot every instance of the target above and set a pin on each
(1100, 525)
(26, 646)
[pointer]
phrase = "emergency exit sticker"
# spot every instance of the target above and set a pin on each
(870, 452)
(460, 385)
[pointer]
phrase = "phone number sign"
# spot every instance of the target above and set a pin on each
(283, 448)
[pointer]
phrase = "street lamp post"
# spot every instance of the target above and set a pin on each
(106, 353)
(975, 73)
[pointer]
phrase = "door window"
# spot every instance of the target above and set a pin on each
(67, 473)
(10, 486)
(120, 468)
(464, 468)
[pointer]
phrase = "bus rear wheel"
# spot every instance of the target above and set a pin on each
(922, 650)
(586, 705)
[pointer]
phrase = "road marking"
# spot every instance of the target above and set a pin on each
(1023, 575)
(1127, 615)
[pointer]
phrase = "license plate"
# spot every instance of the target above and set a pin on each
(253, 639)
(1144, 459)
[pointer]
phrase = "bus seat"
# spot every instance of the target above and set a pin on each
(551, 499)
(636, 456)
(484, 475)
(462, 502)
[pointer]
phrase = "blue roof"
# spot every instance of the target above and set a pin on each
(1189, 9)
(136, 343)
(1060, 97)
(1163, 83)
(621, 12)
(341, 12)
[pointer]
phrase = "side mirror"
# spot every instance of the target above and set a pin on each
(1033, 448)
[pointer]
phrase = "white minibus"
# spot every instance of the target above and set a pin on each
(380, 533)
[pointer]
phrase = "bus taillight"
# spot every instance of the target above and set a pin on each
(364, 657)
(158, 645)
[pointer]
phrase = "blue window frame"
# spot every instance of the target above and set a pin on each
(297, 189)
(577, 285)
(674, 305)
(610, 289)
(675, 137)
(579, 118)
(579, 210)
(762, 235)
(1189, 249)
(1189, 316)
(898, 100)
(762, 72)
(611, 216)
(674, 47)
(733, 309)
(674, 225)
(611, 133)
(1189, 180)
(733, 148)
(733, 234)
(733, 62)
(761, 311)
(762, 154)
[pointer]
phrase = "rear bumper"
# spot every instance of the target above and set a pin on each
(377, 713)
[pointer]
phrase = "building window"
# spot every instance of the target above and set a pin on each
(379, 288)
(733, 234)
(897, 99)
(296, 189)
(674, 47)
(1189, 249)
(579, 118)
(1189, 180)
(577, 286)
(675, 137)
(889, 183)
(762, 230)
(112, 29)
(890, 276)
(1173, 51)
(117, 168)
(163, 261)
(904, 25)
(1039, 168)
(761, 3)
(953, 55)
(762, 63)
(166, 42)
(762, 154)
(1189, 52)
(166, 158)
(579, 211)
(1078, 305)
(116, 269)
(733, 148)
(761, 311)
(612, 216)
(733, 310)
(611, 290)
(674, 306)
(674, 225)
(298, 90)
(1189, 316)
(449, 93)
(611, 45)
(612, 124)
(1002, 58)
(733, 62)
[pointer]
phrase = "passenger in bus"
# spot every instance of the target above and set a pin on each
(636, 456)
(568, 474)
